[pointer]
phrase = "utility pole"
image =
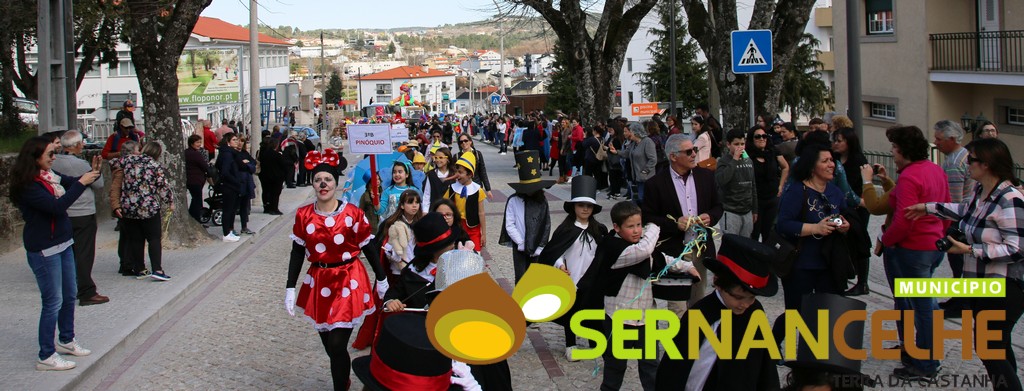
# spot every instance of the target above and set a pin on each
(501, 76)
(254, 78)
(672, 55)
(856, 109)
(56, 74)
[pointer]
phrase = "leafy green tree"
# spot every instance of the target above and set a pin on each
(691, 74)
(333, 92)
(562, 87)
(805, 92)
(391, 48)
(299, 43)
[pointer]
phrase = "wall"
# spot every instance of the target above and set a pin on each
(11, 223)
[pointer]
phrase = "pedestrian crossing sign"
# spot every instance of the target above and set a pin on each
(752, 51)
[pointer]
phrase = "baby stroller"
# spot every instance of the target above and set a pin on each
(214, 211)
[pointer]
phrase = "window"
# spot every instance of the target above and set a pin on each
(1015, 115)
(879, 17)
(884, 111)
(629, 68)
(124, 68)
(630, 97)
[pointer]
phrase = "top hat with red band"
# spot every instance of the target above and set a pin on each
(404, 359)
(432, 234)
(748, 261)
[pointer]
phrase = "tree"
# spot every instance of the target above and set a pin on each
(691, 75)
(562, 88)
(786, 19)
(333, 92)
(391, 48)
(158, 32)
(299, 43)
(597, 51)
(805, 92)
(97, 31)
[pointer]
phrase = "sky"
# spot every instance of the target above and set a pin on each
(349, 14)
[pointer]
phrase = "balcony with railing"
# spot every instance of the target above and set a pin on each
(988, 52)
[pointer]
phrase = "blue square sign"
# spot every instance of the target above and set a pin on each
(752, 51)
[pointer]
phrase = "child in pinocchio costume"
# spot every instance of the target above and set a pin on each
(573, 246)
(336, 293)
(741, 273)
(469, 199)
(527, 219)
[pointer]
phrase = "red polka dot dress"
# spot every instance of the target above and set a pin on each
(336, 291)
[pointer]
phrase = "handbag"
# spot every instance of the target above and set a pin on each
(710, 163)
(601, 153)
(785, 252)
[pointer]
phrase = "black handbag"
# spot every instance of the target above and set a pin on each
(785, 252)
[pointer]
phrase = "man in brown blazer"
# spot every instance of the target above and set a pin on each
(682, 191)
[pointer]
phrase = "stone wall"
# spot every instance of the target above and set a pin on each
(11, 223)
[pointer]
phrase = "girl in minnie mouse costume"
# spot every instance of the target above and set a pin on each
(336, 291)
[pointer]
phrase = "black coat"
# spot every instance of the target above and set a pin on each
(757, 372)
(273, 166)
(412, 289)
(660, 200)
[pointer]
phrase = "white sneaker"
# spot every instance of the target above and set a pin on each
(54, 363)
(73, 348)
(230, 237)
(568, 353)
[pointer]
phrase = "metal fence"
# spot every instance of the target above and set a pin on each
(886, 160)
(991, 51)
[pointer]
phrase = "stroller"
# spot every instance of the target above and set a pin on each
(214, 212)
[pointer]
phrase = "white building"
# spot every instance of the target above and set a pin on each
(313, 51)
(104, 87)
(637, 61)
(355, 68)
(431, 87)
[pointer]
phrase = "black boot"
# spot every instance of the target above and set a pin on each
(859, 289)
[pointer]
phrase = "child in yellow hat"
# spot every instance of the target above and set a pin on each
(469, 199)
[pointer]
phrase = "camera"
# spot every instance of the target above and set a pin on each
(874, 168)
(837, 221)
(953, 232)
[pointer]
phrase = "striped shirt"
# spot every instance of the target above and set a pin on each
(993, 226)
(955, 166)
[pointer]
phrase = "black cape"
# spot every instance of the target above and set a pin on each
(758, 372)
(561, 240)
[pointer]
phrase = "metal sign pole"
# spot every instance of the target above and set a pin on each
(752, 115)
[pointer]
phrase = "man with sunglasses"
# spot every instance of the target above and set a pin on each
(678, 199)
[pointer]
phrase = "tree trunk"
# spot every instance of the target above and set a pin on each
(156, 44)
(787, 22)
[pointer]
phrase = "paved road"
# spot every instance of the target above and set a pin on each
(233, 333)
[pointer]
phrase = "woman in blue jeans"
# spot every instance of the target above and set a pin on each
(43, 197)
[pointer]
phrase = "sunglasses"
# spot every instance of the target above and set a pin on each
(760, 136)
(691, 151)
(463, 141)
(970, 159)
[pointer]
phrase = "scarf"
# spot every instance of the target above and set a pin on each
(51, 179)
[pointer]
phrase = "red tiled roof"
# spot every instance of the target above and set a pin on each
(488, 89)
(214, 28)
(406, 72)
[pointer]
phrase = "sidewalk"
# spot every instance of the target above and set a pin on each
(133, 305)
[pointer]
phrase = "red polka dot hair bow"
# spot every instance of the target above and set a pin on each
(329, 157)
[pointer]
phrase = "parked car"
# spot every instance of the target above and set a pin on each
(311, 134)
(28, 110)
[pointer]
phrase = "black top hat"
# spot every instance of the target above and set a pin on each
(404, 358)
(853, 336)
(432, 234)
(529, 173)
(748, 260)
(584, 189)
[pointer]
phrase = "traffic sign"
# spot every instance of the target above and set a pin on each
(495, 99)
(644, 109)
(503, 100)
(752, 51)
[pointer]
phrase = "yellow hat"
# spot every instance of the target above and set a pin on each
(418, 158)
(467, 160)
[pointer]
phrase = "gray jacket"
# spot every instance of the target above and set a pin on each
(643, 157)
(735, 180)
(75, 166)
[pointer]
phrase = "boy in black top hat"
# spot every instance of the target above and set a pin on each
(527, 219)
(741, 274)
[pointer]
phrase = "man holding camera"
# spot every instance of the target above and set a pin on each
(948, 135)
